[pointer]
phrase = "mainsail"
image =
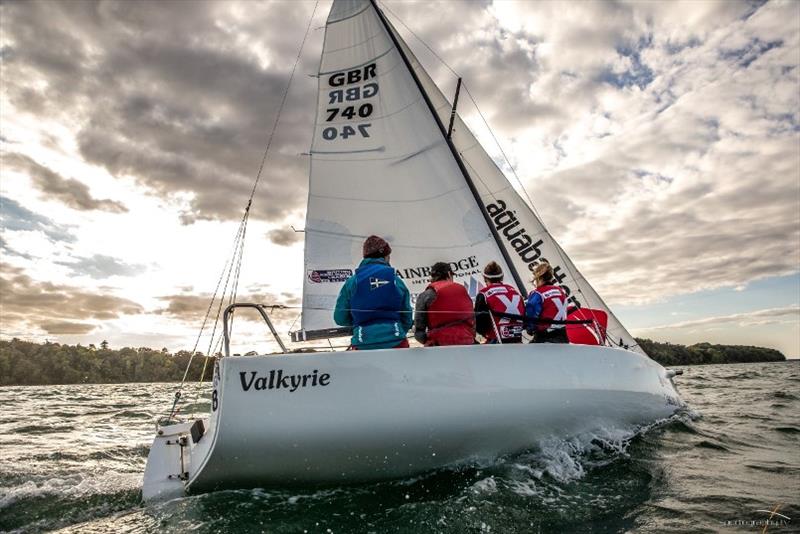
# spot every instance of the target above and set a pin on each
(382, 164)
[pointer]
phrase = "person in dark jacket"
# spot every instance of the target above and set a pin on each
(443, 314)
(375, 301)
(495, 299)
(548, 302)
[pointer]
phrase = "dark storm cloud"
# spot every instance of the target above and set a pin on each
(29, 304)
(284, 236)
(71, 192)
(100, 266)
(178, 95)
(16, 217)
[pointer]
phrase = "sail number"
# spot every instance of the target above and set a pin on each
(364, 111)
(330, 133)
(349, 97)
(353, 93)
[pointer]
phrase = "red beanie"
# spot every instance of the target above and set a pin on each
(376, 247)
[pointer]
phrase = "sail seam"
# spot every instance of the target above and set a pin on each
(426, 199)
(348, 47)
(359, 238)
(367, 62)
(329, 21)
(379, 149)
(377, 117)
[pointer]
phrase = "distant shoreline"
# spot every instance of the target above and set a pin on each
(24, 363)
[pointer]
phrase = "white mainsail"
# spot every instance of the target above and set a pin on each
(380, 164)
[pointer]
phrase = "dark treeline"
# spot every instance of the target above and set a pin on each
(670, 354)
(26, 363)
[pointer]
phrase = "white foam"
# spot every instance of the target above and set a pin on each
(74, 486)
(567, 460)
(486, 485)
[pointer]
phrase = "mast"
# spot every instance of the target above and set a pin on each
(506, 256)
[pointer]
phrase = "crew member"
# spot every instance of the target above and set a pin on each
(548, 302)
(375, 301)
(443, 314)
(493, 300)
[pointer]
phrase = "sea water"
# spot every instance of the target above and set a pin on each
(72, 458)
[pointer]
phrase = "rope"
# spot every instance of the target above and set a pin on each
(234, 263)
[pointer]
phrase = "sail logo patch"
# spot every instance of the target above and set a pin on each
(329, 275)
(377, 283)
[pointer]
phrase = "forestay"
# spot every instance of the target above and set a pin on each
(380, 164)
(522, 233)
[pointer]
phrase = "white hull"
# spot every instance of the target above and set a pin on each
(395, 413)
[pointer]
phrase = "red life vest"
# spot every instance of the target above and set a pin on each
(503, 298)
(453, 320)
(554, 306)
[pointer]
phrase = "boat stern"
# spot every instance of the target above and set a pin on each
(168, 463)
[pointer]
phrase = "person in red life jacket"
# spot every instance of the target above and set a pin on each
(548, 302)
(494, 299)
(443, 314)
(375, 301)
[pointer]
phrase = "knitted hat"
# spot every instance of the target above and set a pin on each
(376, 247)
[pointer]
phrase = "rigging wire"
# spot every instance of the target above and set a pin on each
(234, 263)
(573, 271)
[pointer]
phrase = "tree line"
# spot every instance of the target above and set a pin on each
(702, 353)
(28, 363)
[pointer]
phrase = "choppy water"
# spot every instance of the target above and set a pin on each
(72, 457)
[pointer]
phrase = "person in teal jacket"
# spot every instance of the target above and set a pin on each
(375, 301)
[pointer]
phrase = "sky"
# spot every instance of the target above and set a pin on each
(659, 141)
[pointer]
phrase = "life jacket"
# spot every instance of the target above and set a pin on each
(376, 298)
(554, 307)
(451, 320)
(503, 298)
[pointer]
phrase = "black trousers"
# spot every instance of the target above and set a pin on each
(559, 335)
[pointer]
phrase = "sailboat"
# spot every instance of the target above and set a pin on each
(391, 156)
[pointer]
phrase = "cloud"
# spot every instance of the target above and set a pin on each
(667, 160)
(784, 315)
(15, 217)
(30, 304)
(66, 327)
(660, 142)
(100, 266)
(71, 192)
(192, 308)
(284, 236)
(179, 96)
